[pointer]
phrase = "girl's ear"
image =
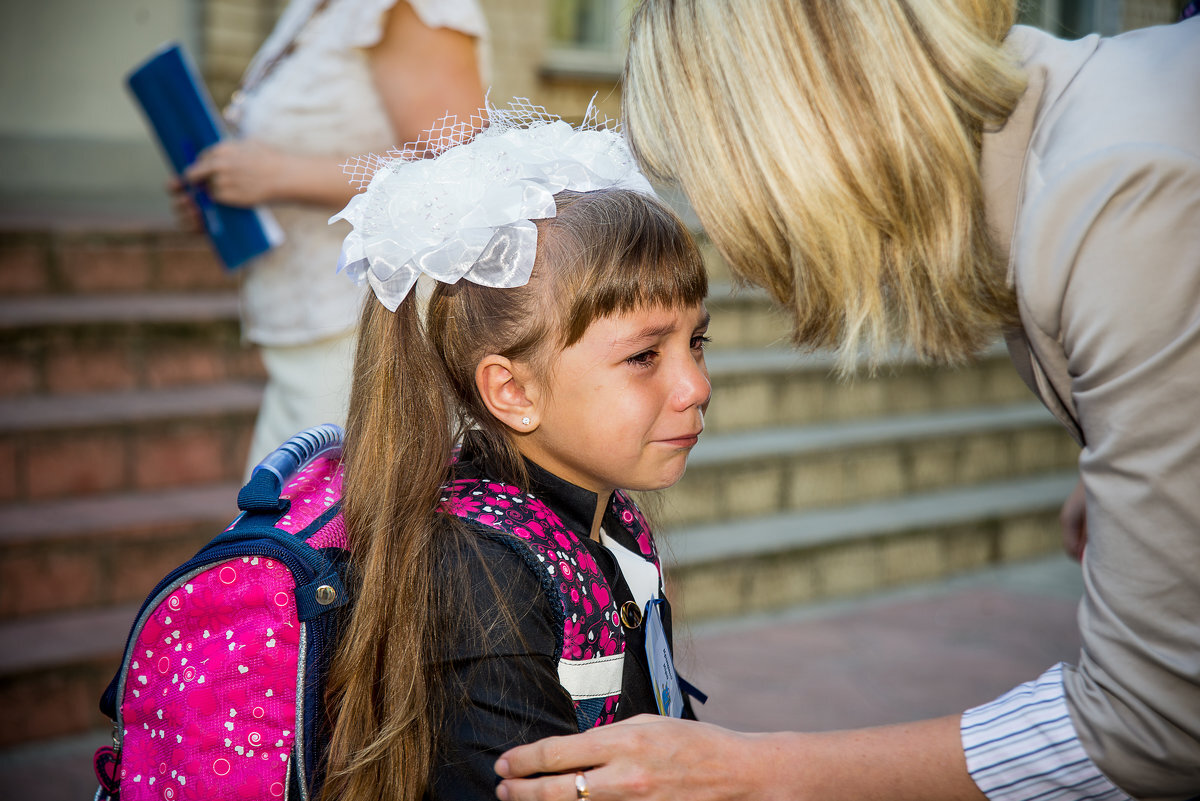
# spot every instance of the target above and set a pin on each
(508, 392)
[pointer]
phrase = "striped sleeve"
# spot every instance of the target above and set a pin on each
(1023, 747)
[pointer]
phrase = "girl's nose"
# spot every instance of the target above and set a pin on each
(694, 388)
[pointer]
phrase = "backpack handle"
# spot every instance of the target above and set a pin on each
(270, 476)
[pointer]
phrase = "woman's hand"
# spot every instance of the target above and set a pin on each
(187, 213)
(239, 172)
(646, 758)
(649, 758)
(1073, 520)
(244, 172)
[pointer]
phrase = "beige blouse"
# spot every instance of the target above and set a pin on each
(320, 99)
(1094, 184)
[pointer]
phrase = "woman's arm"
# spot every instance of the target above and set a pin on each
(244, 172)
(1113, 244)
(423, 73)
(654, 759)
(420, 73)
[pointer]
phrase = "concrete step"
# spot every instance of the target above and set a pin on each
(769, 471)
(64, 344)
(109, 548)
(40, 311)
(133, 259)
(53, 670)
(728, 569)
(84, 553)
(89, 444)
(775, 387)
(58, 769)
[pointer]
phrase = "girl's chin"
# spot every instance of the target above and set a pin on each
(666, 480)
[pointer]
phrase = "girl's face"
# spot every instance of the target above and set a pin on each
(624, 405)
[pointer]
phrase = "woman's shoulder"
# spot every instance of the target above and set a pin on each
(1114, 224)
(360, 23)
(1105, 93)
(460, 15)
(1100, 269)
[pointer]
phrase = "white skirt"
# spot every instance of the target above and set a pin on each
(306, 385)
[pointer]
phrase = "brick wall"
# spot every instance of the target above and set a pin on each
(232, 32)
(518, 29)
(519, 44)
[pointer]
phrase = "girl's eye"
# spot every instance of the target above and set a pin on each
(643, 359)
(700, 342)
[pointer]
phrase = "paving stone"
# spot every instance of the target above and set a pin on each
(926, 651)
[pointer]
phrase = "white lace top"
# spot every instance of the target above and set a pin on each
(320, 99)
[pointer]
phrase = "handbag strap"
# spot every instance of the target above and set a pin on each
(257, 73)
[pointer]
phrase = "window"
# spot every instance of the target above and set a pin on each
(1074, 18)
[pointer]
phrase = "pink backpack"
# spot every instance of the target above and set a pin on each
(220, 693)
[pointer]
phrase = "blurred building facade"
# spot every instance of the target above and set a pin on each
(71, 139)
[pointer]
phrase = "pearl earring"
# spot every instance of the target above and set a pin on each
(524, 421)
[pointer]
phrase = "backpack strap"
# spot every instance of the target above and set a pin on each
(592, 657)
(635, 523)
(592, 660)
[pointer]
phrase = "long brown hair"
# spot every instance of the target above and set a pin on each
(831, 150)
(414, 396)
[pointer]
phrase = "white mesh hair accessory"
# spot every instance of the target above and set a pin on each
(467, 210)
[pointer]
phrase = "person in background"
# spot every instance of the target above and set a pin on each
(335, 79)
(923, 173)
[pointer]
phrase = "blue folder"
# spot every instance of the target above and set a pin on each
(178, 107)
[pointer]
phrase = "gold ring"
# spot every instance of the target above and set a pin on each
(581, 790)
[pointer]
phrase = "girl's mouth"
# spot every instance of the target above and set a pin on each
(685, 441)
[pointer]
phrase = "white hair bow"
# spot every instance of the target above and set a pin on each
(468, 211)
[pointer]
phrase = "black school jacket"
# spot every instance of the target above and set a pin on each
(501, 681)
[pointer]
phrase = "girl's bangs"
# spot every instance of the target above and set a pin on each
(653, 261)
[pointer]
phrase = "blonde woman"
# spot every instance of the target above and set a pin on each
(921, 172)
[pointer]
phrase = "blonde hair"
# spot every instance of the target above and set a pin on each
(831, 150)
(414, 396)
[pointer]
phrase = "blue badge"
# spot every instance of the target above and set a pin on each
(662, 666)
